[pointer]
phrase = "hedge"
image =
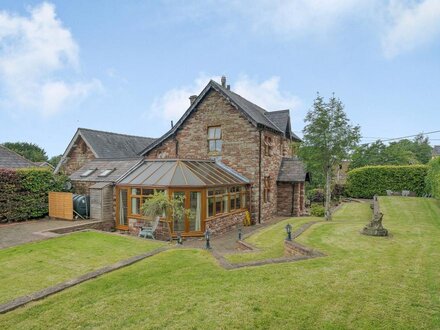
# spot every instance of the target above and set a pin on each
(433, 178)
(365, 182)
(24, 193)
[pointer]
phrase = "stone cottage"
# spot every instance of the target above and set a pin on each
(225, 156)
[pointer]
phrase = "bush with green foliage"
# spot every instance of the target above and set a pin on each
(432, 179)
(365, 182)
(338, 191)
(316, 195)
(317, 210)
(24, 192)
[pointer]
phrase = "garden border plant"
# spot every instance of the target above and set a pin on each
(24, 192)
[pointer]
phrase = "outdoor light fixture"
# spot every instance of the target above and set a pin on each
(179, 239)
(239, 234)
(207, 238)
(289, 231)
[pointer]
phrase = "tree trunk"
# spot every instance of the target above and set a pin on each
(328, 214)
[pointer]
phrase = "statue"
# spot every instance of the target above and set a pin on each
(375, 228)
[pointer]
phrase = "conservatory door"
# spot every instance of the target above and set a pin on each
(191, 221)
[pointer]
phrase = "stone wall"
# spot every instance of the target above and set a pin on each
(284, 199)
(224, 223)
(284, 205)
(79, 154)
(240, 149)
(82, 187)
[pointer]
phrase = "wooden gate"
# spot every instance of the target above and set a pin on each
(61, 205)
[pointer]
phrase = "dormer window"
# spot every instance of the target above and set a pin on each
(215, 139)
(106, 172)
(88, 172)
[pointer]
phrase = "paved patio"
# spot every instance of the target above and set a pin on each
(226, 243)
(30, 231)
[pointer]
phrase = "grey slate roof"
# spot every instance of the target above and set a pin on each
(281, 119)
(436, 151)
(114, 145)
(254, 113)
(11, 160)
(120, 166)
(292, 170)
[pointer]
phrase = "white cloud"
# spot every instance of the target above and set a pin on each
(294, 18)
(35, 52)
(412, 25)
(267, 94)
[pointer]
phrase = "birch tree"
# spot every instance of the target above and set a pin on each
(329, 138)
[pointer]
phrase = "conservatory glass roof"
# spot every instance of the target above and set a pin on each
(182, 173)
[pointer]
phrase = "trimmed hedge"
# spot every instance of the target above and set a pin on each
(365, 182)
(24, 192)
(433, 178)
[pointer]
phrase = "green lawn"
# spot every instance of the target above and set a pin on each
(31, 267)
(269, 241)
(363, 283)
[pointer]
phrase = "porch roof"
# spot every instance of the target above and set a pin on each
(182, 173)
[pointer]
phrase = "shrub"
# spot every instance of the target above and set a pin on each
(24, 192)
(432, 179)
(338, 191)
(365, 182)
(317, 210)
(316, 195)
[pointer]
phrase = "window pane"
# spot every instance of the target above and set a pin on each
(218, 205)
(218, 145)
(135, 191)
(210, 192)
(211, 132)
(135, 204)
(147, 192)
(232, 202)
(212, 145)
(237, 201)
(210, 206)
(218, 133)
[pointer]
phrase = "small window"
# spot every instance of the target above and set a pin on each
(268, 145)
(106, 172)
(267, 186)
(88, 172)
(215, 139)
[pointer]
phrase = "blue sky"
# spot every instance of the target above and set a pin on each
(130, 66)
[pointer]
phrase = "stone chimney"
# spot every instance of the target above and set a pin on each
(228, 87)
(192, 98)
(223, 80)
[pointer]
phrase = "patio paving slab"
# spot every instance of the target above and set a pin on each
(30, 231)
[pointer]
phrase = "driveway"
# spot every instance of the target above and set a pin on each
(30, 231)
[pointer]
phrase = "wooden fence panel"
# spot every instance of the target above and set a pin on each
(61, 205)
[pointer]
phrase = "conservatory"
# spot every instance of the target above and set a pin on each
(214, 195)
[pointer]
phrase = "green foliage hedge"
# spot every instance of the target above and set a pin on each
(433, 178)
(317, 210)
(24, 193)
(365, 182)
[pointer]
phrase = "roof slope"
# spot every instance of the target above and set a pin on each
(119, 167)
(254, 113)
(436, 151)
(292, 170)
(281, 119)
(181, 173)
(108, 145)
(114, 145)
(10, 159)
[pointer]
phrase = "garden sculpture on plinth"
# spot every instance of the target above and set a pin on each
(375, 228)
